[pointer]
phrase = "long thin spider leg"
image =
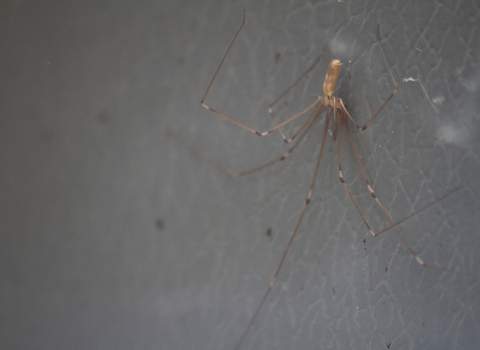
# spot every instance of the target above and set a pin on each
(340, 174)
(223, 59)
(233, 120)
(340, 101)
(283, 95)
(438, 200)
(194, 149)
(315, 114)
(265, 133)
(295, 83)
(374, 196)
(287, 141)
(307, 202)
(279, 130)
(395, 90)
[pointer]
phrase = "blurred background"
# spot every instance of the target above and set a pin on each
(115, 235)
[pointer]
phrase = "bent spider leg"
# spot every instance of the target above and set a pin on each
(395, 90)
(387, 215)
(270, 108)
(438, 200)
(307, 202)
(315, 114)
(233, 120)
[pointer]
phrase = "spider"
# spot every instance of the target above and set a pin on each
(341, 118)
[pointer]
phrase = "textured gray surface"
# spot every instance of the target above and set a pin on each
(116, 236)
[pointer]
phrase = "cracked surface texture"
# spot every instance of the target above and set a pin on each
(115, 235)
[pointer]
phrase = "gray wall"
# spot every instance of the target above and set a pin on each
(114, 235)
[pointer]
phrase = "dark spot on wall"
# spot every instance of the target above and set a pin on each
(269, 232)
(103, 117)
(160, 224)
(47, 136)
(277, 57)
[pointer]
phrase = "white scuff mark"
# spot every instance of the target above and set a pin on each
(339, 47)
(406, 80)
(471, 85)
(438, 100)
(453, 135)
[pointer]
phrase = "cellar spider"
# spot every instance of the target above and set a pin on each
(341, 118)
